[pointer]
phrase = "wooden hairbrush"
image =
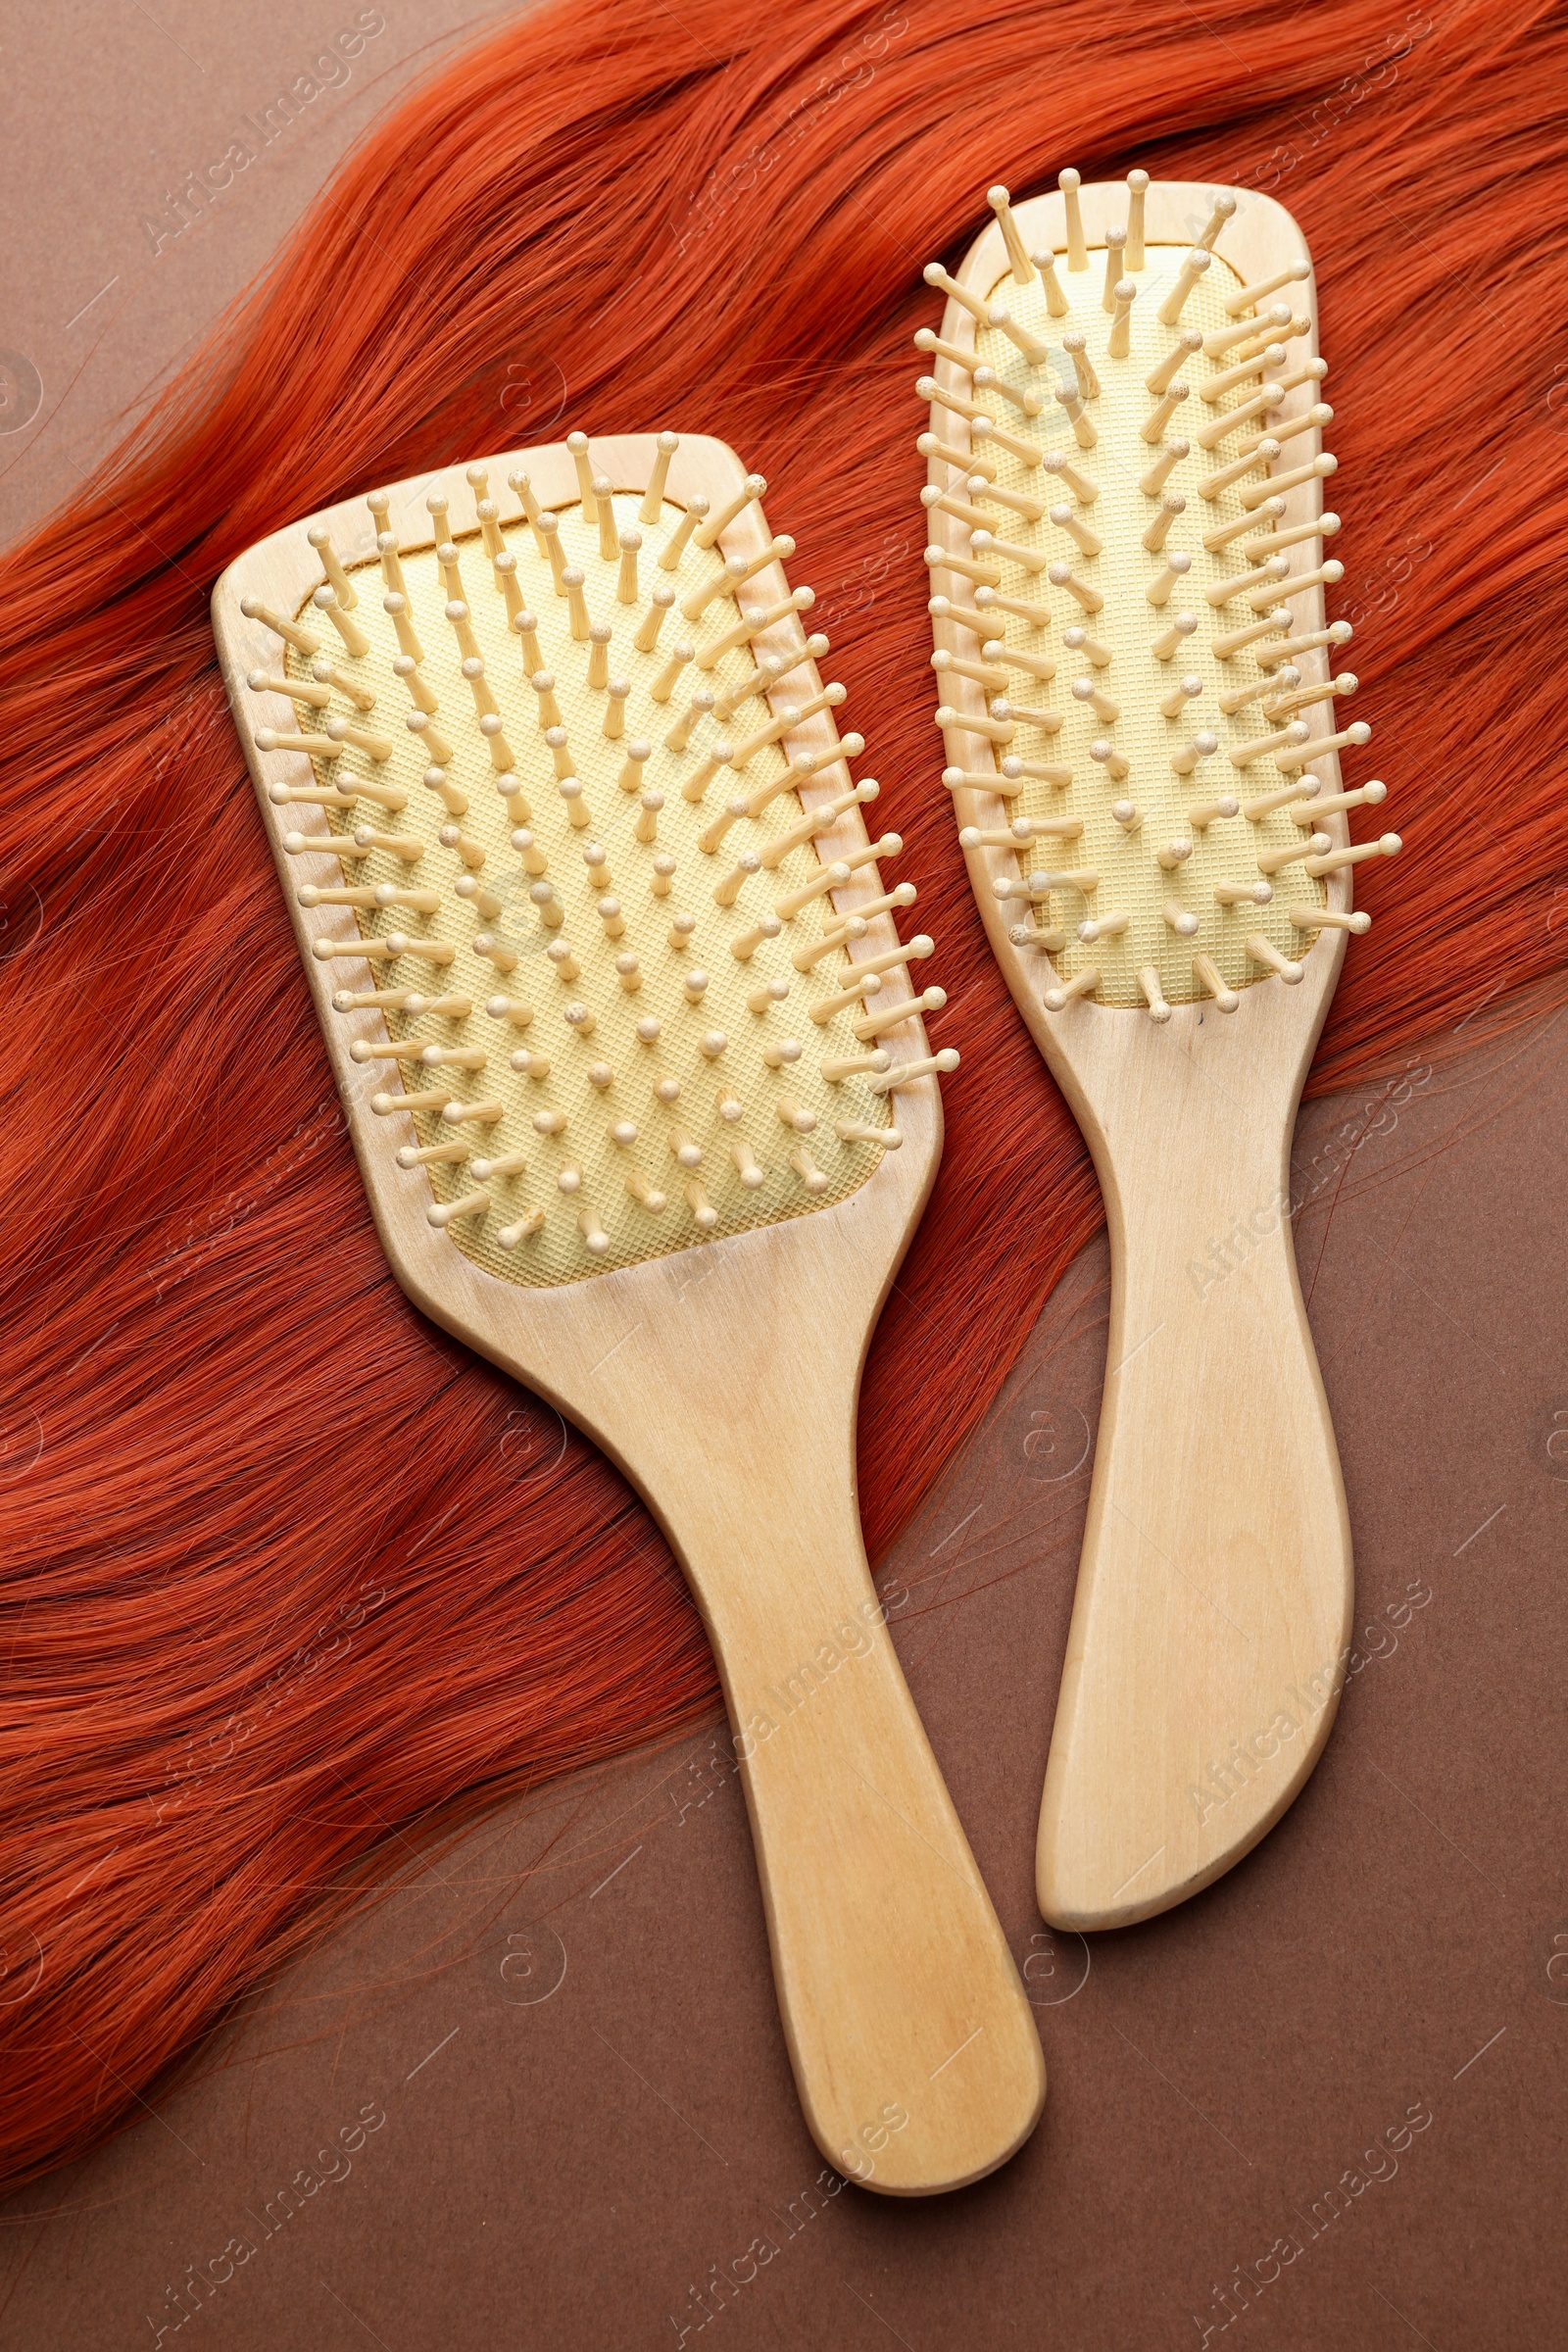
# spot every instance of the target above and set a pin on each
(1125, 500)
(619, 1014)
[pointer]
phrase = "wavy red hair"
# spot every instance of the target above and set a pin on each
(244, 1653)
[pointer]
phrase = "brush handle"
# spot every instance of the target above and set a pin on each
(909, 2028)
(914, 2051)
(1214, 1594)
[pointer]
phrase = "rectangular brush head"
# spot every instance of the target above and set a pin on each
(1128, 533)
(597, 938)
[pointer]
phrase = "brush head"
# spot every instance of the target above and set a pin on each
(1125, 592)
(577, 832)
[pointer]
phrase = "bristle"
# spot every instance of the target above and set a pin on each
(674, 546)
(1070, 183)
(933, 346)
(1247, 298)
(1208, 973)
(1137, 189)
(1277, 485)
(1258, 689)
(1116, 247)
(325, 672)
(717, 525)
(1022, 266)
(754, 624)
(1152, 482)
(302, 640)
(830, 878)
(1160, 377)
(963, 779)
(992, 387)
(603, 494)
(1087, 541)
(1177, 564)
(941, 502)
(966, 463)
(1170, 506)
(1367, 796)
(653, 505)
(1327, 574)
(1310, 371)
(1273, 862)
(337, 579)
(699, 707)
(1187, 276)
(1149, 981)
(1016, 502)
(963, 616)
(1018, 335)
(1228, 339)
(1240, 526)
(1325, 919)
(1264, 578)
(854, 1066)
(1236, 641)
(1269, 361)
(1077, 349)
(1337, 633)
(1153, 428)
(998, 657)
(1084, 429)
(1187, 756)
(1307, 698)
(1056, 303)
(321, 747)
(318, 697)
(1299, 534)
(888, 1018)
(935, 276)
(1224, 207)
(1333, 862)
(909, 1073)
(987, 431)
(1266, 803)
(1085, 690)
(1263, 746)
(1033, 616)
(1323, 747)
(1210, 435)
(1173, 704)
(379, 747)
(1084, 983)
(983, 575)
(582, 459)
(1311, 420)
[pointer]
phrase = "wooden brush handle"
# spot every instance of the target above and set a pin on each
(1214, 1594)
(913, 2047)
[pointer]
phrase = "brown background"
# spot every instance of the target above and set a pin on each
(568, 2023)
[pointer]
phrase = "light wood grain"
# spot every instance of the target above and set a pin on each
(722, 1379)
(1216, 1592)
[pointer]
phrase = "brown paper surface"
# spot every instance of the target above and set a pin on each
(588, 2134)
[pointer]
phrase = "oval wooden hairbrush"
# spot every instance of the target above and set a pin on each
(1125, 495)
(617, 1005)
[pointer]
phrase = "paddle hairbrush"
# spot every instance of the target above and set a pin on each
(612, 988)
(1127, 527)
